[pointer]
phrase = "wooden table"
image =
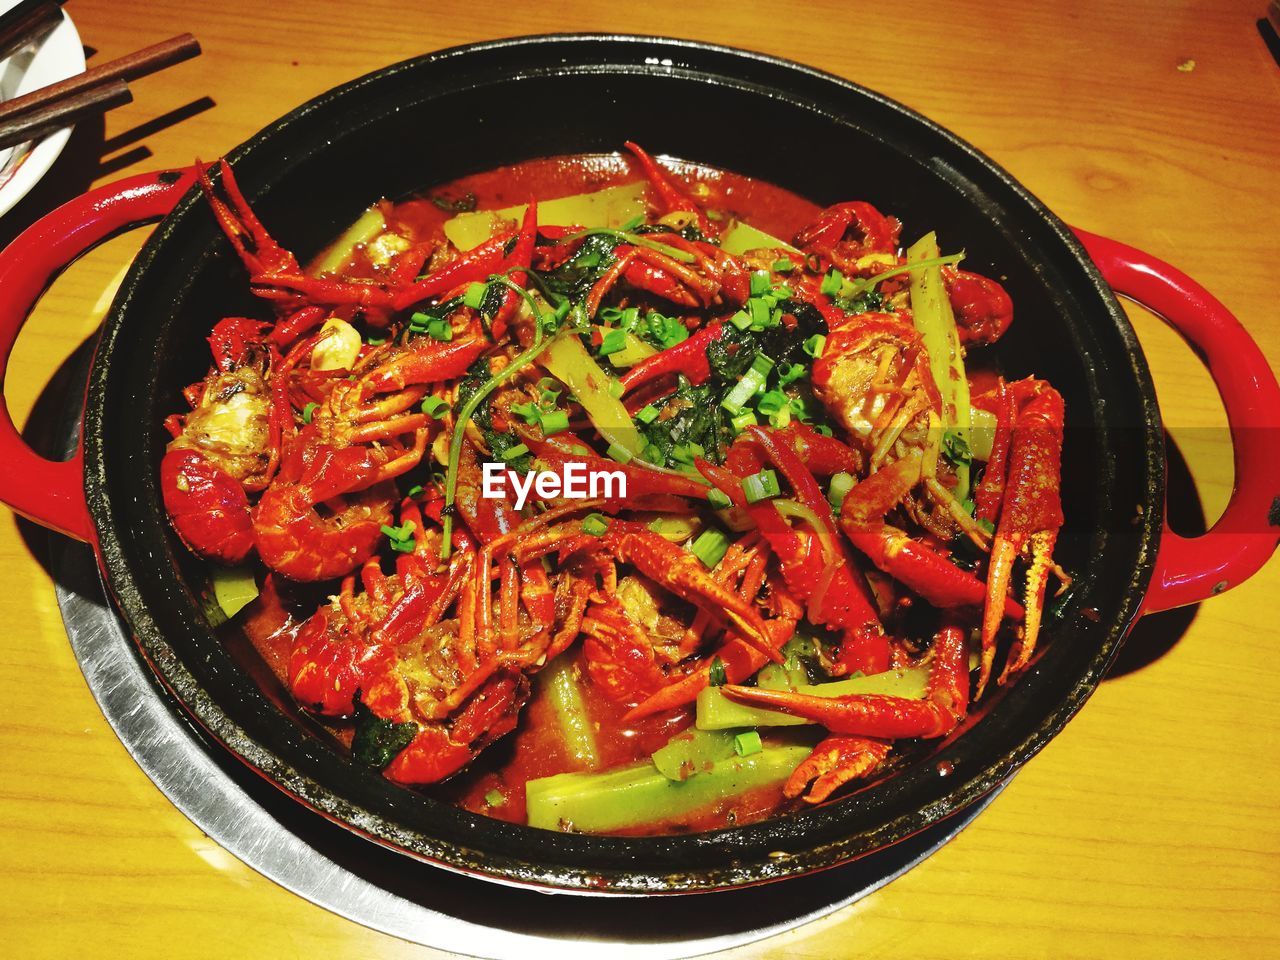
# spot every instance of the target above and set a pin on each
(1148, 828)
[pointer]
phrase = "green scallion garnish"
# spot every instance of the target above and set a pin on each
(761, 486)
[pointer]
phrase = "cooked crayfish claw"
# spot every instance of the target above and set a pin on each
(933, 577)
(834, 762)
(1030, 519)
(259, 251)
(870, 715)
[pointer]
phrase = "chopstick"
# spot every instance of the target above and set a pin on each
(25, 22)
(64, 112)
(140, 63)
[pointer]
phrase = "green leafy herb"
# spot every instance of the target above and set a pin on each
(956, 449)
(716, 676)
(378, 741)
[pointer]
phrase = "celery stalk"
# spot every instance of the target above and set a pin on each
(931, 311)
(693, 752)
(718, 712)
(560, 687)
(637, 795)
(568, 361)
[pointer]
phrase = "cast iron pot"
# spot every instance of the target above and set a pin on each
(439, 116)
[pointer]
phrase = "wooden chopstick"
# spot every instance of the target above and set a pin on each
(140, 63)
(26, 22)
(64, 112)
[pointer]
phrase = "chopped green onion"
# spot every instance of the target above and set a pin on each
(747, 743)
(647, 414)
(783, 266)
(719, 499)
(548, 390)
(475, 294)
(375, 341)
(416, 490)
(595, 524)
(773, 402)
(781, 292)
(760, 282)
(815, 345)
(612, 341)
(528, 412)
(402, 538)
(307, 411)
(761, 313)
(619, 453)
(554, 421)
(514, 453)
(761, 486)
(716, 676)
(741, 319)
(494, 798)
(831, 283)
(791, 372)
(710, 547)
(752, 382)
(823, 429)
(743, 420)
(435, 407)
(841, 484)
(616, 389)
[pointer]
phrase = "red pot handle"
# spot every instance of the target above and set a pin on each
(1189, 569)
(47, 491)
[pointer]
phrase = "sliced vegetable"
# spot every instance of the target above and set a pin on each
(761, 486)
(692, 752)
(333, 257)
(675, 527)
(710, 547)
(610, 207)
(595, 524)
(560, 686)
(747, 743)
(638, 795)
(933, 317)
(740, 237)
(573, 366)
(234, 588)
(718, 712)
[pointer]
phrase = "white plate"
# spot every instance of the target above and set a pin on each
(57, 56)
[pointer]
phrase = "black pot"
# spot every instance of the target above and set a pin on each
(437, 117)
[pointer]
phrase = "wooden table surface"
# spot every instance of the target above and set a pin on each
(1149, 828)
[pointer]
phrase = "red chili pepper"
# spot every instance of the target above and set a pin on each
(688, 357)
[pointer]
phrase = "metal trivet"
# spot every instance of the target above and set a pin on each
(391, 892)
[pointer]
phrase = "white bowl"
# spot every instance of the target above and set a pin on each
(57, 56)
